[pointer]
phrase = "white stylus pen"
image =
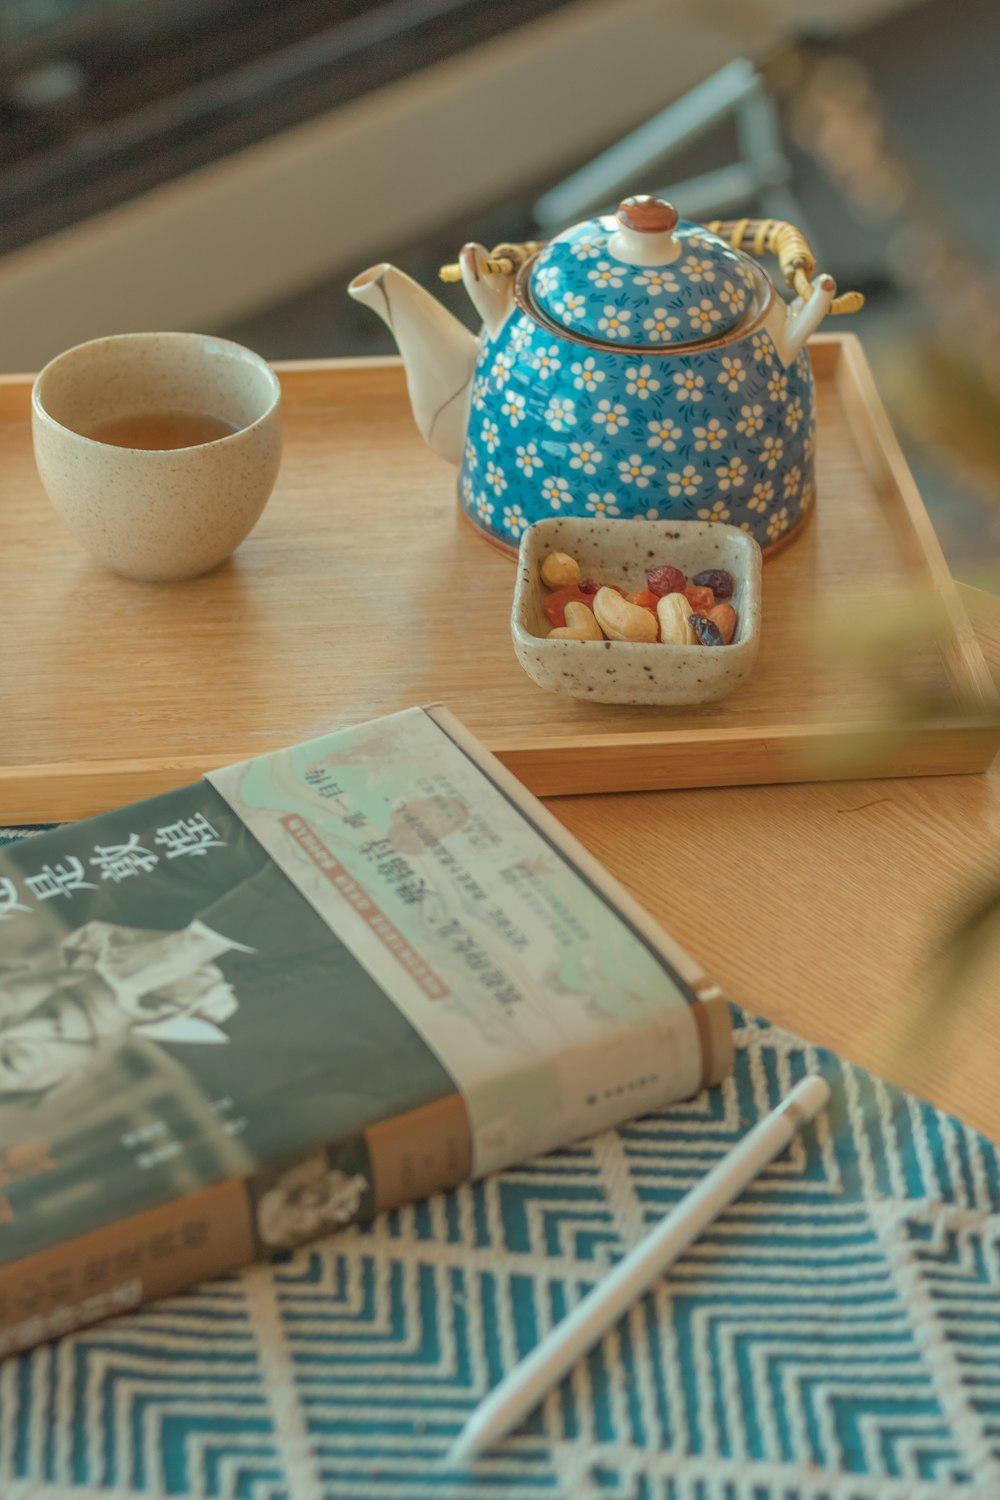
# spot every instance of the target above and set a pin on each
(521, 1391)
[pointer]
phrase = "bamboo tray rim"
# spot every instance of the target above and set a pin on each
(961, 740)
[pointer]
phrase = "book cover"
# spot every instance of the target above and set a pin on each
(311, 986)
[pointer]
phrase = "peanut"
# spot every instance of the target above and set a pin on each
(673, 612)
(622, 621)
(559, 570)
(580, 625)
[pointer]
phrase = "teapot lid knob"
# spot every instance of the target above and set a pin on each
(647, 215)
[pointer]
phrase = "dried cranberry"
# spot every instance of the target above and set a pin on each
(700, 599)
(718, 580)
(707, 631)
(665, 580)
(587, 586)
(554, 604)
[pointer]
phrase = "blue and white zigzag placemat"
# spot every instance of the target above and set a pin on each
(835, 1336)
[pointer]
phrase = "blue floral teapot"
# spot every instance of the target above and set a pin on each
(637, 365)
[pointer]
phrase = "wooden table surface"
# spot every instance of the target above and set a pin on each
(823, 907)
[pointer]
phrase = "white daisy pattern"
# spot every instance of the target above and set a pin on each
(586, 375)
(731, 297)
(502, 366)
(546, 280)
(547, 361)
(778, 523)
(611, 416)
(561, 412)
(732, 374)
(562, 429)
(615, 323)
(751, 419)
(690, 387)
(704, 316)
(632, 470)
(712, 436)
(791, 482)
(641, 382)
(587, 249)
(761, 346)
(555, 491)
(528, 459)
(762, 497)
(585, 457)
(731, 473)
(777, 386)
(772, 452)
(571, 308)
(496, 477)
(657, 282)
(698, 269)
(659, 328)
(685, 483)
(514, 519)
(513, 408)
(663, 434)
(606, 276)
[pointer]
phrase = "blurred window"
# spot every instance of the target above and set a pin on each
(103, 99)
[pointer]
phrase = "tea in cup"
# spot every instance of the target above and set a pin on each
(159, 450)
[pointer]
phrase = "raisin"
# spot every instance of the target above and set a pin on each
(707, 631)
(665, 580)
(588, 586)
(718, 580)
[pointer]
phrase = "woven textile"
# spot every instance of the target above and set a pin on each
(835, 1335)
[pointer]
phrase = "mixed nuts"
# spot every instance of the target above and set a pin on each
(671, 608)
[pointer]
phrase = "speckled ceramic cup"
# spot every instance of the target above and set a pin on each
(158, 515)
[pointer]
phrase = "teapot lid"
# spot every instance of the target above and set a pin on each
(642, 278)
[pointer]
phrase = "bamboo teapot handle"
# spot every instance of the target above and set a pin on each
(761, 236)
(503, 260)
(790, 246)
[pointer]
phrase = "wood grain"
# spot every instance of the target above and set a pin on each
(362, 591)
(825, 908)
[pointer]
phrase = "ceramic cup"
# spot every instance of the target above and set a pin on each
(158, 515)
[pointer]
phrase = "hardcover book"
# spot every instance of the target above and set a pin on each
(310, 987)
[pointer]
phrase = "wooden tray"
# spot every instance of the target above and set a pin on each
(363, 590)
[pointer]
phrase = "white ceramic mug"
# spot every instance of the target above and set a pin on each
(160, 514)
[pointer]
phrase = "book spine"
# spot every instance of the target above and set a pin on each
(164, 1250)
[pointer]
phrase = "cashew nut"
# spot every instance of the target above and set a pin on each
(580, 624)
(674, 614)
(559, 570)
(622, 621)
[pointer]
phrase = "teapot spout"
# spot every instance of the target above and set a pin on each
(439, 354)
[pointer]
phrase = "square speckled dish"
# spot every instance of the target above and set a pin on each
(622, 552)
